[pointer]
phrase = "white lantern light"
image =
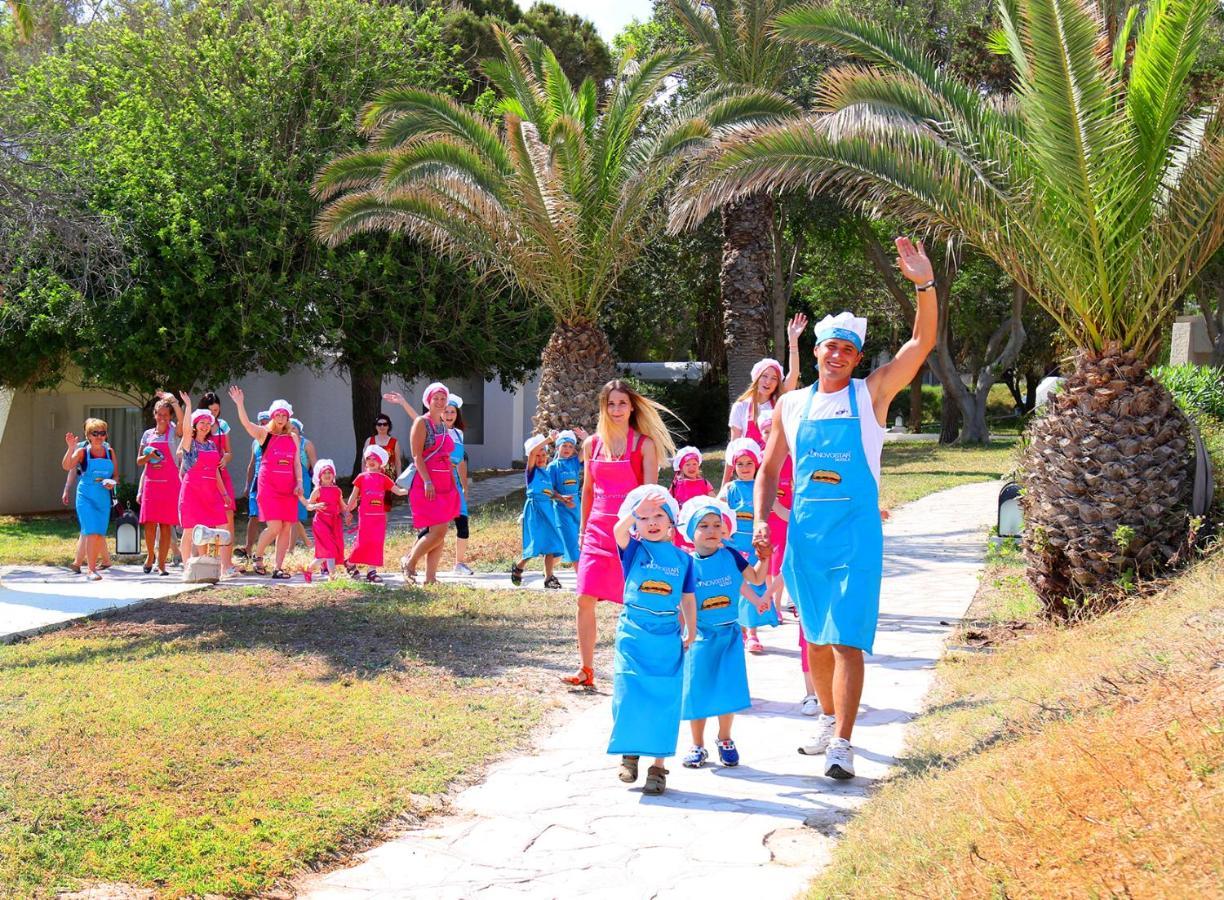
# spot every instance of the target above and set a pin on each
(127, 534)
(1011, 516)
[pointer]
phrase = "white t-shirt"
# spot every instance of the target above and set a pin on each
(828, 406)
(740, 410)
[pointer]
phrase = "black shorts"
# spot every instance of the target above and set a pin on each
(461, 528)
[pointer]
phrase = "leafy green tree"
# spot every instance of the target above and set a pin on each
(559, 198)
(1097, 189)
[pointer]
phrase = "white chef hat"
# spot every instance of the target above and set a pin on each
(740, 446)
(697, 508)
(280, 406)
(765, 419)
(263, 416)
(203, 414)
(683, 455)
(454, 400)
(762, 364)
(377, 451)
(320, 465)
(529, 445)
(645, 491)
(567, 437)
(845, 326)
(433, 388)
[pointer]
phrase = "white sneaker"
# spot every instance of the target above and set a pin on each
(810, 706)
(463, 569)
(820, 740)
(839, 759)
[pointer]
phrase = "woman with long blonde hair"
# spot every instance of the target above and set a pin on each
(629, 443)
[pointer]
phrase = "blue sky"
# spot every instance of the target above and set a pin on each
(609, 16)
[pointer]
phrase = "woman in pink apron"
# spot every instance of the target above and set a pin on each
(279, 486)
(203, 499)
(433, 494)
(159, 481)
(623, 453)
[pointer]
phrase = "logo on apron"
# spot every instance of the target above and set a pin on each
(744, 515)
(376, 504)
(826, 476)
(284, 462)
(662, 588)
(720, 602)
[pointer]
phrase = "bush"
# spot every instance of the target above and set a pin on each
(1198, 389)
(932, 398)
(701, 406)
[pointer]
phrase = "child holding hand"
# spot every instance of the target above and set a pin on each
(715, 674)
(330, 516)
(540, 534)
(744, 456)
(657, 625)
(370, 489)
(566, 473)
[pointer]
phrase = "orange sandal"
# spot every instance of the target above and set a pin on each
(584, 677)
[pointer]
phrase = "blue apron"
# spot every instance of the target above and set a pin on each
(307, 484)
(456, 458)
(739, 498)
(835, 545)
(540, 535)
(93, 501)
(648, 671)
(252, 503)
(567, 479)
(715, 674)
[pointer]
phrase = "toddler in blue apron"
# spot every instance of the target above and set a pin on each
(744, 457)
(715, 676)
(540, 534)
(566, 473)
(656, 625)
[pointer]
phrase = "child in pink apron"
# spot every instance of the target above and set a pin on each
(370, 495)
(159, 483)
(687, 484)
(327, 504)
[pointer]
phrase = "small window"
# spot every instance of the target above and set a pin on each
(124, 426)
(472, 391)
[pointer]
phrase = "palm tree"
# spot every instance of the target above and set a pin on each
(23, 19)
(735, 42)
(560, 197)
(1095, 187)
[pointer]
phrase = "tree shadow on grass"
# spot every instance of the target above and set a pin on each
(354, 633)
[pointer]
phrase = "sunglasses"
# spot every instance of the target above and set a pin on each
(382, 424)
(97, 434)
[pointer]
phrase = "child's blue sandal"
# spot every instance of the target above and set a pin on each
(696, 757)
(727, 754)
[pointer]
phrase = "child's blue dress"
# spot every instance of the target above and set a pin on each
(567, 481)
(648, 679)
(739, 498)
(715, 674)
(540, 535)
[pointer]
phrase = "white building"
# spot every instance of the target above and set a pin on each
(33, 424)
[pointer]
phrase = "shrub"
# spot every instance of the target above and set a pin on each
(1198, 389)
(932, 397)
(700, 405)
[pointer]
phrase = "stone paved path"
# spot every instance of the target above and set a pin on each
(555, 822)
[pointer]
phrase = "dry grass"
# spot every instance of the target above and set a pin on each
(216, 742)
(1073, 762)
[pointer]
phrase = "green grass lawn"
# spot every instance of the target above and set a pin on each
(38, 540)
(219, 741)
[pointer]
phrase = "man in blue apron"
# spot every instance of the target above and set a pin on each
(835, 430)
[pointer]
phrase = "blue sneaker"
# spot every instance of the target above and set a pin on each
(727, 754)
(696, 757)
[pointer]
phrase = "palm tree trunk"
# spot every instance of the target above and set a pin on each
(577, 361)
(747, 269)
(365, 387)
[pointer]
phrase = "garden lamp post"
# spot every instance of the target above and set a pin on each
(127, 533)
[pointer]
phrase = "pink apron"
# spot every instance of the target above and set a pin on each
(200, 501)
(444, 507)
(777, 525)
(160, 485)
(686, 489)
(599, 567)
(328, 525)
(754, 431)
(278, 480)
(372, 518)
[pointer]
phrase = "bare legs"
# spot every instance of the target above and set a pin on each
(697, 726)
(837, 677)
(429, 546)
(282, 534)
(252, 531)
(159, 537)
(586, 630)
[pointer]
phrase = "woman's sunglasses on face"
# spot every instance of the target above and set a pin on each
(97, 434)
(382, 424)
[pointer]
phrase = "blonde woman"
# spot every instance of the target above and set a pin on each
(625, 452)
(768, 384)
(94, 463)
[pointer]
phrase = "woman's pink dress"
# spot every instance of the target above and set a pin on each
(599, 567)
(278, 480)
(686, 489)
(200, 500)
(777, 525)
(444, 507)
(371, 519)
(328, 525)
(160, 483)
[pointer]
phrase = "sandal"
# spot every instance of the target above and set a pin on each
(516, 575)
(656, 780)
(552, 583)
(628, 769)
(584, 677)
(258, 566)
(148, 567)
(373, 577)
(281, 575)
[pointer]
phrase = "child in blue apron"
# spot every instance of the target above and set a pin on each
(540, 534)
(744, 458)
(656, 626)
(715, 676)
(566, 473)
